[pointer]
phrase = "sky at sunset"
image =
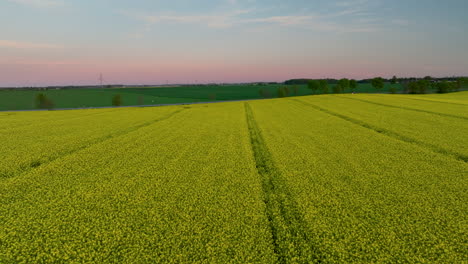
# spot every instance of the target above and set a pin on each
(70, 42)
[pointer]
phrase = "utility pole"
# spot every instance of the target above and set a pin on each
(101, 79)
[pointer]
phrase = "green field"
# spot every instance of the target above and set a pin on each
(350, 178)
(82, 98)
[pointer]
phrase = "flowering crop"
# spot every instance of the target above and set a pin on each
(366, 196)
(184, 189)
(323, 179)
(439, 132)
(37, 142)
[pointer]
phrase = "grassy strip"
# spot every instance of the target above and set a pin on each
(36, 164)
(389, 133)
(405, 108)
(289, 229)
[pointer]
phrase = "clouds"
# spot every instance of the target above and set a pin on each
(219, 20)
(351, 16)
(27, 45)
(351, 3)
(39, 3)
(400, 22)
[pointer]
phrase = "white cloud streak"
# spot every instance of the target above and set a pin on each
(351, 3)
(39, 3)
(27, 45)
(355, 12)
(400, 22)
(215, 21)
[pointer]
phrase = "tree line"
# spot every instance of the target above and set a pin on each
(304, 81)
(408, 85)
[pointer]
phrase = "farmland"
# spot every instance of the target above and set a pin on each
(362, 178)
(18, 99)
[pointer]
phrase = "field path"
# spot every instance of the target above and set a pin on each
(389, 133)
(40, 154)
(289, 229)
(366, 197)
(440, 133)
(408, 108)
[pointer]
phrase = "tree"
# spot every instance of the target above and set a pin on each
(418, 87)
(262, 93)
(323, 86)
(393, 90)
(413, 87)
(393, 81)
(404, 85)
(424, 85)
(445, 87)
(265, 93)
(313, 85)
(286, 90)
(42, 102)
(337, 88)
(378, 83)
(281, 92)
(461, 82)
(117, 100)
(353, 85)
(141, 100)
(296, 90)
(343, 84)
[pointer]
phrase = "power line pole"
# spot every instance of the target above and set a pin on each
(101, 80)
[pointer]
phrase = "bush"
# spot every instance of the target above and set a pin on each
(296, 90)
(281, 92)
(265, 93)
(117, 100)
(286, 91)
(43, 102)
(141, 100)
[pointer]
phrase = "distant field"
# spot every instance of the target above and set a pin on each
(79, 98)
(362, 178)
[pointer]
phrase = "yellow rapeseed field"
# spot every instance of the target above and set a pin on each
(318, 179)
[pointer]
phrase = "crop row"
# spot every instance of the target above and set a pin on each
(9, 120)
(460, 98)
(414, 104)
(325, 179)
(366, 197)
(442, 133)
(181, 190)
(27, 147)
